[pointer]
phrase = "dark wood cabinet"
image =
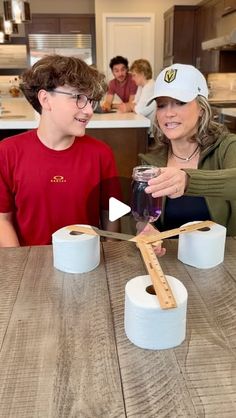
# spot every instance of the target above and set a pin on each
(179, 30)
(208, 16)
(43, 24)
(186, 27)
(77, 24)
(54, 24)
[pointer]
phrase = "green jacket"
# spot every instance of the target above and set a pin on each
(215, 178)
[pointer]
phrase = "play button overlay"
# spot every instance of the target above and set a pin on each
(117, 209)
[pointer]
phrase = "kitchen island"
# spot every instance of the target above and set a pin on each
(125, 133)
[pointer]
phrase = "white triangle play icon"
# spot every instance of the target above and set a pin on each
(117, 209)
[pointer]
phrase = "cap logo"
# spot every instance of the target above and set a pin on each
(170, 75)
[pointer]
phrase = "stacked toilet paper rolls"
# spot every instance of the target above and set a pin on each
(75, 253)
(146, 324)
(202, 248)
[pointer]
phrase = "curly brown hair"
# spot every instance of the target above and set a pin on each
(56, 70)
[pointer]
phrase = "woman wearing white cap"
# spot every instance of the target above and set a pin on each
(197, 156)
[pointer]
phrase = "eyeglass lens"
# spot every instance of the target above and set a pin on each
(82, 101)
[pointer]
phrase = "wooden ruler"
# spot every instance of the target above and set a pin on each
(145, 244)
(158, 236)
(151, 238)
(159, 281)
(101, 232)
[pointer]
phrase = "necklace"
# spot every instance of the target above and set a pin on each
(191, 156)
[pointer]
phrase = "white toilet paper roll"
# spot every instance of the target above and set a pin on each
(146, 324)
(202, 248)
(75, 253)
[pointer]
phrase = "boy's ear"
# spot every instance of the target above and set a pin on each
(44, 99)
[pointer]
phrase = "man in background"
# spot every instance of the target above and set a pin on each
(122, 85)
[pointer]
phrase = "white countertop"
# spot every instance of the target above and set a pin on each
(118, 120)
(18, 114)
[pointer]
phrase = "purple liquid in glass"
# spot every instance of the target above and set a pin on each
(144, 207)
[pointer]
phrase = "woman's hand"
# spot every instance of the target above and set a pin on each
(148, 229)
(171, 182)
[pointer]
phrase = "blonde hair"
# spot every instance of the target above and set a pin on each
(142, 66)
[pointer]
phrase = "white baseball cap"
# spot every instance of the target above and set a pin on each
(180, 81)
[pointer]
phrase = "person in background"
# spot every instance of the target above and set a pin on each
(56, 175)
(195, 154)
(141, 72)
(121, 85)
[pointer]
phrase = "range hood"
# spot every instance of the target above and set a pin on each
(226, 42)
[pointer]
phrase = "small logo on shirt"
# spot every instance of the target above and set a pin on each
(170, 75)
(58, 179)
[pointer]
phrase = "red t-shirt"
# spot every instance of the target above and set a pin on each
(124, 90)
(47, 189)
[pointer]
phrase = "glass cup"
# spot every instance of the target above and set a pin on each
(144, 207)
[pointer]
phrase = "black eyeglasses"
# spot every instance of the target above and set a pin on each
(81, 99)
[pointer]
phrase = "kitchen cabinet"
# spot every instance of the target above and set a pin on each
(51, 24)
(208, 20)
(43, 24)
(179, 30)
(208, 16)
(77, 24)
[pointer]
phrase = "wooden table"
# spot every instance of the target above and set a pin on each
(64, 352)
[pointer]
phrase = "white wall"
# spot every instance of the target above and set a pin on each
(62, 6)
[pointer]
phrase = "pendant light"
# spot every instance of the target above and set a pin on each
(14, 12)
(1, 30)
(8, 27)
(17, 11)
(4, 37)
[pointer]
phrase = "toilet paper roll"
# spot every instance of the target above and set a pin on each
(75, 253)
(203, 248)
(146, 324)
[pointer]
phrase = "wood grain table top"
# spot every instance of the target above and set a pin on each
(64, 352)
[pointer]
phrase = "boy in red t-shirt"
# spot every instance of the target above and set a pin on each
(56, 175)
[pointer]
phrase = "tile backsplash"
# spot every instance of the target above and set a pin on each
(222, 86)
